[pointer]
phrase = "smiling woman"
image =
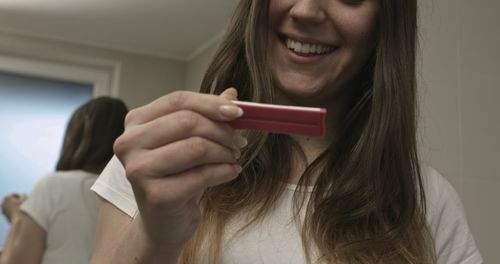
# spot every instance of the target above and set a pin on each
(315, 47)
(185, 187)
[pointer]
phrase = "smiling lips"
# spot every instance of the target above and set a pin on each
(307, 49)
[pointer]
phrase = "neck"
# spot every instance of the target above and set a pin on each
(312, 147)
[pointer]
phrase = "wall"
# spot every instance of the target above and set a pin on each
(460, 114)
(142, 78)
(195, 68)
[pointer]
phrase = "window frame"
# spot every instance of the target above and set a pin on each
(103, 75)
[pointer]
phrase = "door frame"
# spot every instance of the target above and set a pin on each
(103, 75)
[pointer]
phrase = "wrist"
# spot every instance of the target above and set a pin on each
(156, 251)
(12, 216)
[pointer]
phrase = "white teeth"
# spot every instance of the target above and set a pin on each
(307, 48)
(315, 49)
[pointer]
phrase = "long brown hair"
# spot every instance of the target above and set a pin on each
(368, 203)
(90, 134)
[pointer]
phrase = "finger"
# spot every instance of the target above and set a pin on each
(177, 157)
(176, 126)
(174, 191)
(230, 94)
(214, 107)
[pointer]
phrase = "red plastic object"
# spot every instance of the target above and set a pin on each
(280, 119)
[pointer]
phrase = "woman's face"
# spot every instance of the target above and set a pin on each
(318, 46)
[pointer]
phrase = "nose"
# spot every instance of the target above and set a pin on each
(309, 11)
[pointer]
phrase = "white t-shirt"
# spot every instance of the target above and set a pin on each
(276, 239)
(65, 207)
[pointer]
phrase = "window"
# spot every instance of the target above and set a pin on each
(33, 117)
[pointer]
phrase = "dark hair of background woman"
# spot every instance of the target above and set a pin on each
(90, 134)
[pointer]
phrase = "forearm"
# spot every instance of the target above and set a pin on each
(136, 248)
(24, 242)
(6, 256)
(10, 253)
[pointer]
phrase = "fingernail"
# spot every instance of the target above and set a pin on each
(237, 154)
(230, 89)
(241, 141)
(238, 168)
(231, 111)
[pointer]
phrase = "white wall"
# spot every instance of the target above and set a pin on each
(195, 68)
(460, 122)
(142, 78)
(460, 118)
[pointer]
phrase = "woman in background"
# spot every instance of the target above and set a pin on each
(56, 223)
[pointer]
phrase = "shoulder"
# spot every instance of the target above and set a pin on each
(113, 186)
(441, 198)
(57, 183)
(438, 190)
(71, 177)
(447, 221)
(433, 180)
(47, 181)
(59, 177)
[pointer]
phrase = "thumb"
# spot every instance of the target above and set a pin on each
(230, 94)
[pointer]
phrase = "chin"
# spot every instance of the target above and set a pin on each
(304, 86)
(307, 93)
(299, 95)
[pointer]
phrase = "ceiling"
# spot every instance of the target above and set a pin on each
(175, 29)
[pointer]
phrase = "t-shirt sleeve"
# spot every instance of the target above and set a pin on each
(453, 238)
(113, 186)
(40, 202)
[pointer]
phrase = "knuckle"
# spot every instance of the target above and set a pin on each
(176, 99)
(131, 117)
(208, 177)
(127, 141)
(120, 145)
(135, 170)
(123, 144)
(198, 147)
(188, 120)
(155, 195)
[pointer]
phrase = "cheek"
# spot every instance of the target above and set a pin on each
(358, 28)
(277, 9)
